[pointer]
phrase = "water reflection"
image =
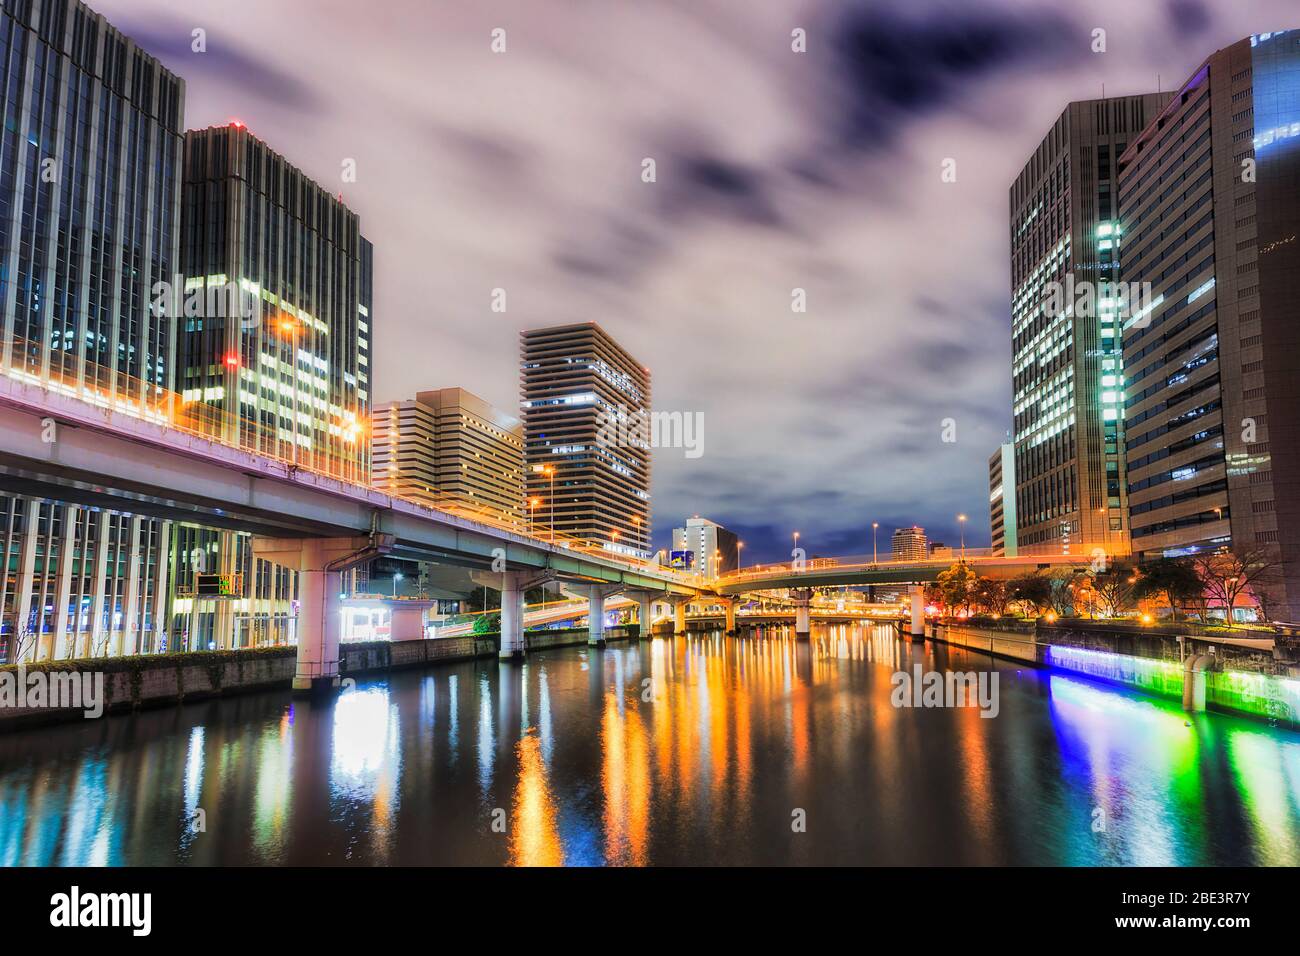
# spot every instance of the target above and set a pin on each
(696, 750)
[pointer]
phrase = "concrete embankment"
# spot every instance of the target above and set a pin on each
(1228, 673)
(123, 684)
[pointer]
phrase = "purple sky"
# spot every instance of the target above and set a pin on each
(776, 170)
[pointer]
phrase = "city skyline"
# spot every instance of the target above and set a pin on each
(323, 557)
(843, 152)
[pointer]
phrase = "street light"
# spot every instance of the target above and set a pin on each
(739, 562)
(961, 523)
(532, 507)
(397, 576)
(874, 556)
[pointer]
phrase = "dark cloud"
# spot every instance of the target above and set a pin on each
(1188, 17)
(703, 185)
(225, 61)
(893, 67)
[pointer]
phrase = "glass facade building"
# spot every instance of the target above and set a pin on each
(279, 349)
(1067, 366)
(90, 162)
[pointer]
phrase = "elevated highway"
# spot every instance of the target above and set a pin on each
(54, 443)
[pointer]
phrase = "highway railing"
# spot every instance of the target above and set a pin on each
(116, 391)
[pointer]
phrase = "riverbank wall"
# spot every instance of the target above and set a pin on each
(125, 684)
(1246, 679)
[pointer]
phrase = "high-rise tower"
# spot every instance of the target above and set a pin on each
(592, 476)
(1210, 210)
(1067, 363)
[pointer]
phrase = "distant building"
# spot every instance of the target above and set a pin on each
(940, 550)
(575, 380)
(448, 448)
(1002, 500)
(714, 550)
(909, 544)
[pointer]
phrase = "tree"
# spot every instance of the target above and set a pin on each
(957, 585)
(991, 595)
(1062, 581)
(1227, 573)
(1031, 590)
(1173, 579)
(1114, 588)
(487, 623)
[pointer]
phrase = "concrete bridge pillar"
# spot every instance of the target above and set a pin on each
(918, 612)
(679, 616)
(731, 615)
(802, 618)
(512, 616)
(320, 563)
(596, 594)
(645, 614)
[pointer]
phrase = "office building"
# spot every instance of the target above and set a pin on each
(586, 404)
(90, 161)
(1210, 211)
(712, 549)
(1066, 354)
(1002, 501)
(450, 449)
(278, 355)
(909, 544)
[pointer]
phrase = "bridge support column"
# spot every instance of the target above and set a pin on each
(730, 607)
(512, 616)
(802, 617)
(406, 623)
(596, 594)
(645, 615)
(320, 563)
(918, 612)
(679, 616)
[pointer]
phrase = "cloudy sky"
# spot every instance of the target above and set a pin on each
(775, 170)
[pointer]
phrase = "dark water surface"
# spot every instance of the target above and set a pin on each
(737, 741)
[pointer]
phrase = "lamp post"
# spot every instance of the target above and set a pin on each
(874, 554)
(961, 523)
(397, 576)
(532, 509)
(739, 563)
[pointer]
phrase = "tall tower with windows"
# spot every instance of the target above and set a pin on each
(1067, 362)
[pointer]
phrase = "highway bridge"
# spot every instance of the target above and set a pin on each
(54, 443)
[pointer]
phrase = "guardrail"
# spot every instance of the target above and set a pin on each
(115, 391)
